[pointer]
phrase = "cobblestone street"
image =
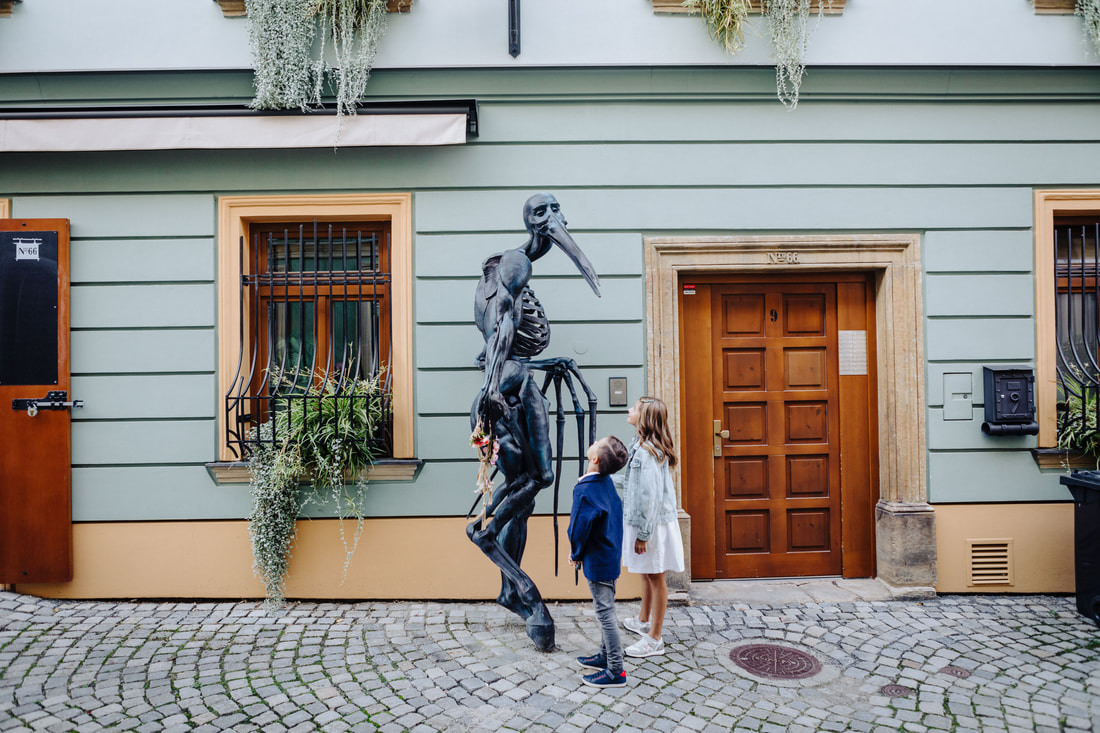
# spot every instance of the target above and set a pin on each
(1018, 663)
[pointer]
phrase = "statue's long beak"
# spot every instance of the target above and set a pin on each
(560, 236)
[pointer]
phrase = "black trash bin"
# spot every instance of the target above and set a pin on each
(1085, 487)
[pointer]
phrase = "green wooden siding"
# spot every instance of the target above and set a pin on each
(953, 155)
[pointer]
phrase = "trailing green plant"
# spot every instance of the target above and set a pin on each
(1077, 416)
(281, 35)
(1089, 10)
(725, 19)
(325, 435)
(790, 29)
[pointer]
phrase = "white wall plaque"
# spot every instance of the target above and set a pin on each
(26, 248)
(853, 352)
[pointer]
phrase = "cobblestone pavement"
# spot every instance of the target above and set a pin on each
(1012, 663)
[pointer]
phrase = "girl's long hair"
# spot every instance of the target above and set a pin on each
(653, 432)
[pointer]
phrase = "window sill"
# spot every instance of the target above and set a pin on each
(236, 8)
(1052, 7)
(387, 469)
(834, 8)
(1060, 459)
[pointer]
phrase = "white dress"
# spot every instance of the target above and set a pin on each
(664, 550)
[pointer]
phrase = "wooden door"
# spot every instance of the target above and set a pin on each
(767, 417)
(35, 451)
(777, 474)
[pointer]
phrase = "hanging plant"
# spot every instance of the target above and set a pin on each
(790, 27)
(323, 434)
(1078, 412)
(1089, 10)
(725, 20)
(281, 36)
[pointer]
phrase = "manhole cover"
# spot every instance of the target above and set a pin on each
(775, 662)
(895, 691)
(959, 672)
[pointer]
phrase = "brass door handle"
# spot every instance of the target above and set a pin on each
(719, 435)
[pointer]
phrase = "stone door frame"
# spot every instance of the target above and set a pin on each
(904, 521)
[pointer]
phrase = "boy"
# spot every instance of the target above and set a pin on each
(595, 545)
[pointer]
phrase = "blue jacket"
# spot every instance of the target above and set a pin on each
(596, 528)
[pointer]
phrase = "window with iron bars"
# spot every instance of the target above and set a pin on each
(1076, 271)
(315, 311)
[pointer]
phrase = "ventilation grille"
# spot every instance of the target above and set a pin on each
(990, 562)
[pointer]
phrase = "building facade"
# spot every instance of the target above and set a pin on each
(813, 292)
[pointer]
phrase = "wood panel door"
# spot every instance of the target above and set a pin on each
(768, 414)
(35, 450)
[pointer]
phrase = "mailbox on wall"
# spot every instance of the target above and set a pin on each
(1009, 401)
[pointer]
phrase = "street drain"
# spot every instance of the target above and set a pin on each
(775, 662)
(895, 691)
(959, 672)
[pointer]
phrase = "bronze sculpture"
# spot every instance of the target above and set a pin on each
(514, 411)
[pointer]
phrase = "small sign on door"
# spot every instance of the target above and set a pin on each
(26, 248)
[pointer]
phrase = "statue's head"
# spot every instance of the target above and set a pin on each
(543, 218)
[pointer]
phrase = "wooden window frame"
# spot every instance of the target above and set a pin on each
(236, 213)
(1049, 206)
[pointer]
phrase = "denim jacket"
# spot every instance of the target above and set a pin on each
(649, 496)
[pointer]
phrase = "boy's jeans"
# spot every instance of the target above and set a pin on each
(603, 598)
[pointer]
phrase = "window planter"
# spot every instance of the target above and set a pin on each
(1055, 7)
(236, 8)
(384, 469)
(834, 8)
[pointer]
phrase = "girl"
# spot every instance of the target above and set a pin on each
(651, 534)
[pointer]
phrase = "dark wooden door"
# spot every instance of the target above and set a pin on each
(777, 474)
(35, 451)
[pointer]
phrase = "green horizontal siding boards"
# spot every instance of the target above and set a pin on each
(142, 260)
(979, 251)
(130, 396)
(596, 344)
(982, 122)
(446, 437)
(143, 351)
(536, 166)
(97, 443)
(979, 338)
(968, 435)
(565, 300)
(460, 255)
(142, 306)
(450, 391)
(143, 493)
(742, 209)
(979, 295)
(1000, 476)
(153, 215)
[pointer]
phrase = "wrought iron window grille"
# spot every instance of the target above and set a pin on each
(1077, 315)
(314, 322)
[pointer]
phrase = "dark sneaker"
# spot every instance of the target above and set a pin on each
(596, 661)
(603, 678)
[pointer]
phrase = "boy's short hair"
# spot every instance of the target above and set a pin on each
(612, 454)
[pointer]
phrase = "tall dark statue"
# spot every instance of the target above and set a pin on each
(515, 410)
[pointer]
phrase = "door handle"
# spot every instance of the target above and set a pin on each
(54, 400)
(719, 435)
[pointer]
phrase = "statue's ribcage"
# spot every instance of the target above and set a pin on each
(533, 334)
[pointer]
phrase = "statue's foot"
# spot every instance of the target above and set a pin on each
(540, 629)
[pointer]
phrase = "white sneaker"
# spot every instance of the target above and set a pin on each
(647, 646)
(631, 623)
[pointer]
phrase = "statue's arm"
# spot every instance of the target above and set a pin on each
(497, 349)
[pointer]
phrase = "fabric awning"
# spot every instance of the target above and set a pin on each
(198, 132)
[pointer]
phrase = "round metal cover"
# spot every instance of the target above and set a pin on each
(775, 662)
(895, 691)
(954, 671)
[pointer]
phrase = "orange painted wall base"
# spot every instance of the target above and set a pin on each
(396, 559)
